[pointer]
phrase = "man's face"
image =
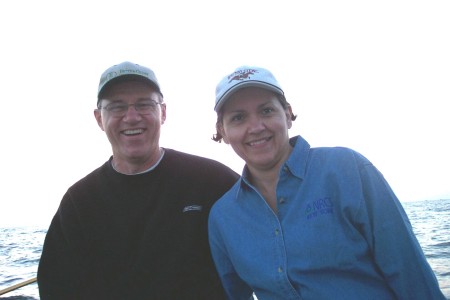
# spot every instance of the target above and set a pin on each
(134, 135)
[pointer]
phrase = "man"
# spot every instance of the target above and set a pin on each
(136, 227)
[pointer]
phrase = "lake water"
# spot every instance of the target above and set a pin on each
(20, 248)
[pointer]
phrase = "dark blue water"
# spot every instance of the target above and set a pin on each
(20, 248)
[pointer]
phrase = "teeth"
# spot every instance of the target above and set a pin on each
(258, 142)
(133, 131)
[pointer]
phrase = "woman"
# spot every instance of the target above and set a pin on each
(302, 222)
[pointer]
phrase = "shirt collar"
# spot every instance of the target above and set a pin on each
(296, 162)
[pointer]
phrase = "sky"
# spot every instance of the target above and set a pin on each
(373, 76)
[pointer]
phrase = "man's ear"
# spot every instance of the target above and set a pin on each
(163, 113)
(98, 117)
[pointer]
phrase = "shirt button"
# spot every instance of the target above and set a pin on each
(280, 269)
(276, 232)
(282, 200)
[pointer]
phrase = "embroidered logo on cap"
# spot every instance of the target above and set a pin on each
(242, 75)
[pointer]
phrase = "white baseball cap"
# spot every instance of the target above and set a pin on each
(127, 71)
(242, 77)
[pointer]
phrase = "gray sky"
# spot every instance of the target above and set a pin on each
(370, 75)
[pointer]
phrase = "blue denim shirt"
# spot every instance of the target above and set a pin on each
(340, 233)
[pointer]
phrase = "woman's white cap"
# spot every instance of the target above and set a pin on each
(243, 77)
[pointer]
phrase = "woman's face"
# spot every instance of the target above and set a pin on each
(256, 126)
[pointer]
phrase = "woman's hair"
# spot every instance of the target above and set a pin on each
(218, 137)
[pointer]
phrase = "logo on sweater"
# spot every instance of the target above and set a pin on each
(319, 207)
(193, 208)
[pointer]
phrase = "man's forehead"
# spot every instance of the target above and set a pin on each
(129, 86)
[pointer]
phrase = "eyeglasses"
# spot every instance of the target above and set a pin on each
(119, 109)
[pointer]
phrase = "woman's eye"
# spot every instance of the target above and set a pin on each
(237, 118)
(267, 110)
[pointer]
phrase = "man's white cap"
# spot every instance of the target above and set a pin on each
(243, 77)
(126, 71)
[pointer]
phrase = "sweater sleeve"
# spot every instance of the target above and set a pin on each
(394, 245)
(59, 267)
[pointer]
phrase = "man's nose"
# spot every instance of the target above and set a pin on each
(131, 112)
